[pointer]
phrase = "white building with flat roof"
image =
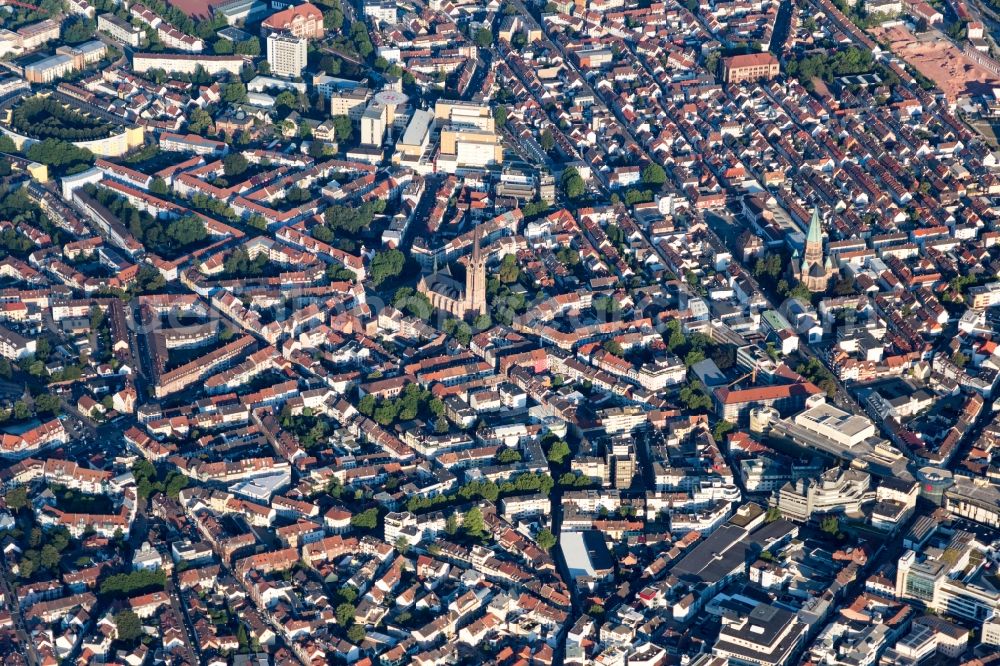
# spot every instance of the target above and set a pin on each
(286, 54)
(835, 424)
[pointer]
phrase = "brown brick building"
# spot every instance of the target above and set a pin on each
(749, 67)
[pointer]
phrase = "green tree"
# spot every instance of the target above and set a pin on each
(572, 184)
(128, 626)
(78, 29)
(175, 484)
(773, 514)
(545, 539)
(199, 121)
(250, 47)
(472, 522)
(21, 411)
(342, 128)
(613, 347)
(362, 42)
(49, 557)
(356, 634)
(349, 218)
(345, 614)
(16, 499)
(63, 156)
(509, 271)
(386, 264)
(367, 519)
(721, 429)
(235, 93)
(333, 17)
(27, 566)
(508, 456)
(546, 140)
(187, 230)
(694, 397)
(500, 116)
(654, 174)
(831, 525)
(234, 164)
(484, 38)
(124, 585)
(158, 187)
(482, 322)
(48, 404)
(558, 452)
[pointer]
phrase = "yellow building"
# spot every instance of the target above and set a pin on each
(468, 136)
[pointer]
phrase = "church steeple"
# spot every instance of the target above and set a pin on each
(475, 277)
(816, 269)
(814, 242)
(815, 233)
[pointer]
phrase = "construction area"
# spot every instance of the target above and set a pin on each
(939, 60)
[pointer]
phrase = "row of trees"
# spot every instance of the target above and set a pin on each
(488, 490)
(412, 403)
(168, 239)
(63, 157)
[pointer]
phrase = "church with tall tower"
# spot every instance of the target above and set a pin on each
(447, 294)
(815, 269)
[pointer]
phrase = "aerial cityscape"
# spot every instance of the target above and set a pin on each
(513, 332)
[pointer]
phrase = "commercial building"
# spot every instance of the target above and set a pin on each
(991, 632)
(721, 557)
(835, 424)
(286, 54)
(836, 491)
(929, 636)
(749, 67)
(939, 580)
(416, 138)
(468, 136)
(373, 124)
(766, 635)
(975, 499)
(586, 555)
(327, 86)
(828, 428)
(621, 462)
(350, 103)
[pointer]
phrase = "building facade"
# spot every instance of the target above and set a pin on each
(749, 67)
